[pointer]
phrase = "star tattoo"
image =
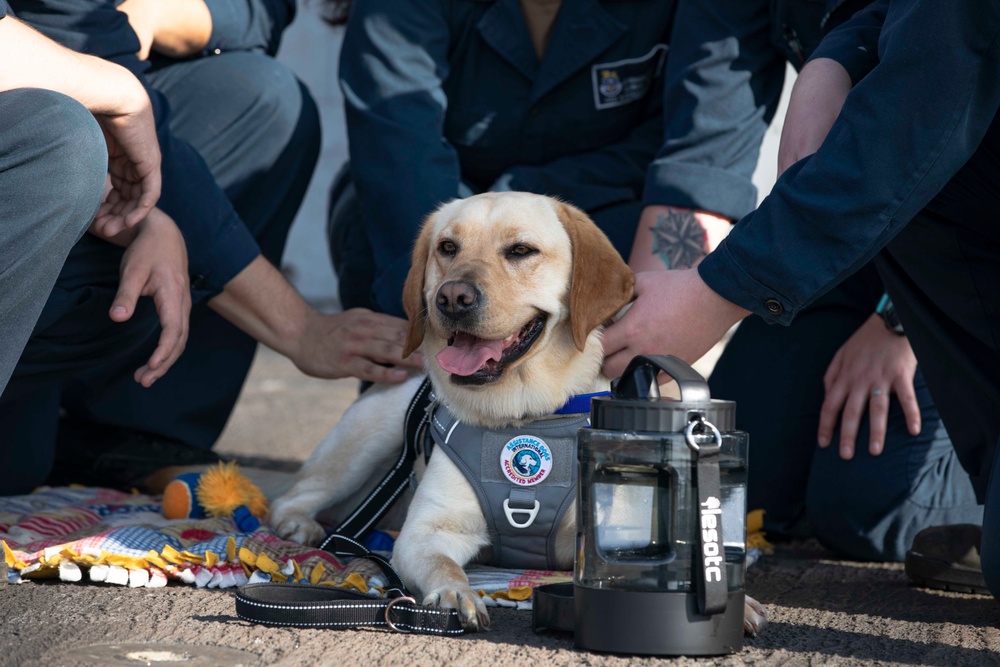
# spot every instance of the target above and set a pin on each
(679, 239)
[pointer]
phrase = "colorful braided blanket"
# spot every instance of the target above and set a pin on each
(105, 536)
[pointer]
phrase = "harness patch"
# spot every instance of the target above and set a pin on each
(629, 80)
(526, 460)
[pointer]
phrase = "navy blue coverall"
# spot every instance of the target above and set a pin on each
(908, 173)
(239, 136)
(870, 507)
(446, 98)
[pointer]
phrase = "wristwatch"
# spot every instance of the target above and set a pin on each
(885, 310)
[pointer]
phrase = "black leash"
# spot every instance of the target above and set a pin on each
(310, 606)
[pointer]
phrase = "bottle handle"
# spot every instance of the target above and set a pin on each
(639, 379)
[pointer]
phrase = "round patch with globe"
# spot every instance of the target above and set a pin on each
(526, 460)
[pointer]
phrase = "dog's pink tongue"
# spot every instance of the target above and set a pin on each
(468, 354)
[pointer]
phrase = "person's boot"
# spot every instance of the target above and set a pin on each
(947, 558)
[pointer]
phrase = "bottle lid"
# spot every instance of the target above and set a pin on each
(635, 403)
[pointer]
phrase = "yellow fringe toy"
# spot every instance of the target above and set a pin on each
(222, 491)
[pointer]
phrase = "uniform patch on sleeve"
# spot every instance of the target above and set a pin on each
(629, 80)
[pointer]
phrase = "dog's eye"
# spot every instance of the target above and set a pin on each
(520, 250)
(447, 248)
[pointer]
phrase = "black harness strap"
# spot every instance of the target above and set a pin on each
(397, 480)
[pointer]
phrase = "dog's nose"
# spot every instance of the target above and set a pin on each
(457, 297)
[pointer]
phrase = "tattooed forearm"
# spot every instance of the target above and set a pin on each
(679, 239)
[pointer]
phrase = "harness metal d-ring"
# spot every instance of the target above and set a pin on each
(689, 435)
(388, 608)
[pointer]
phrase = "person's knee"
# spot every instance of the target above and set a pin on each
(67, 160)
(282, 108)
(71, 139)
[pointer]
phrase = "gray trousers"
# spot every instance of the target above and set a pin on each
(53, 162)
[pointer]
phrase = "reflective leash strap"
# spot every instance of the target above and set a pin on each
(310, 606)
(711, 582)
(397, 480)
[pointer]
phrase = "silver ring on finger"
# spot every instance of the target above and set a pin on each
(877, 392)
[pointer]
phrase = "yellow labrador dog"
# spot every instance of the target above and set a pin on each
(506, 298)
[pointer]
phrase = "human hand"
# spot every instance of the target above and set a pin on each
(155, 265)
(872, 364)
(817, 97)
(133, 161)
(116, 99)
(356, 342)
(674, 312)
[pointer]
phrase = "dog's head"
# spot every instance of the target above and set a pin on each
(506, 296)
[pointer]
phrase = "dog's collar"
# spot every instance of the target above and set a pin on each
(579, 403)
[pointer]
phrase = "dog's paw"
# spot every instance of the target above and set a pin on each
(754, 617)
(296, 527)
(470, 607)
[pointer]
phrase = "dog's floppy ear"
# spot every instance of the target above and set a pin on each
(413, 289)
(601, 283)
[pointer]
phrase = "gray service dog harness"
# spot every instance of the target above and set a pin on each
(524, 477)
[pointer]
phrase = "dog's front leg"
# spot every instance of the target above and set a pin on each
(443, 531)
(353, 457)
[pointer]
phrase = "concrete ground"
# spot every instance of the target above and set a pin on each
(823, 611)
